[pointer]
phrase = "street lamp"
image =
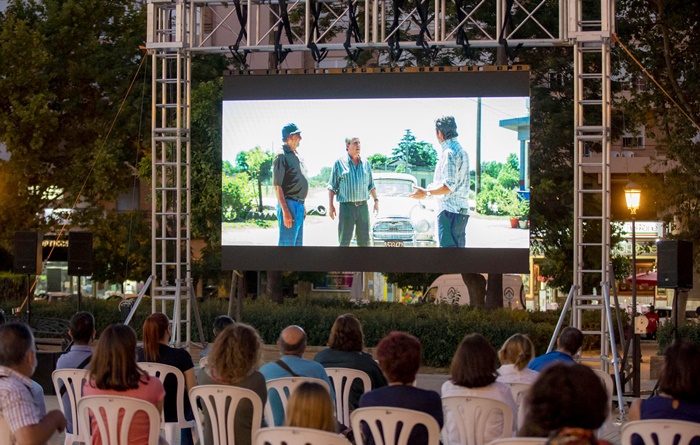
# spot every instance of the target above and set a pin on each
(633, 194)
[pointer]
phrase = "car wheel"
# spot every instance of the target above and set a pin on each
(321, 210)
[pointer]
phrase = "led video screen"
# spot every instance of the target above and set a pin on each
(330, 171)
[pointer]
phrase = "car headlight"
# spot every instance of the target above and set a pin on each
(422, 226)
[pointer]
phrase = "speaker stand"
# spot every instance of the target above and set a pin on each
(79, 293)
(29, 303)
(675, 314)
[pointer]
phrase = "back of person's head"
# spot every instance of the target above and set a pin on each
(447, 126)
(399, 355)
(565, 395)
(113, 364)
(310, 406)
(236, 352)
(680, 376)
(221, 322)
(346, 334)
(16, 340)
(518, 350)
(570, 340)
(82, 326)
(475, 362)
(292, 341)
(154, 329)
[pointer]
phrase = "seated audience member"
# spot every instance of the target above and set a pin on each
(345, 346)
(220, 324)
(114, 372)
(473, 373)
(567, 403)
(82, 331)
(292, 344)
(157, 330)
(679, 387)
(568, 344)
(234, 361)
(515, 354)
(399, 355)
(27, 424)
(310, 406)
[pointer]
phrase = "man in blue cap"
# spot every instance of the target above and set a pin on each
(291, 188)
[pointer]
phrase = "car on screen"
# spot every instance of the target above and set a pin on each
(402, 221)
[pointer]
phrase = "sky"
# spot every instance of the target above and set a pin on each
(379, 123)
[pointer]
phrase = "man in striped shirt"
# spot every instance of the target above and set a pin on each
(450, 185)
(351, 182)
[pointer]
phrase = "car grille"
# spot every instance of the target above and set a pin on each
(402, 229)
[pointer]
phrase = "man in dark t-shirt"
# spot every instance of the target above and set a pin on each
(291, 188)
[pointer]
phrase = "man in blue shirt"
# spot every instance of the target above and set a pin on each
(292, 344)
(568, 344)
(450, 185)
(351, 182)
(291, 188)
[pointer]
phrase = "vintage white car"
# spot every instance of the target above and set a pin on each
(402, 221)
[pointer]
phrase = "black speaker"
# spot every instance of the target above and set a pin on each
(46, 364)
(27, 253)
(675, 264)
(80, 254)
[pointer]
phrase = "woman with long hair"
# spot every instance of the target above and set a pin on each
(157, 330)
(233, 360)
(114, 371)
(473, 373)
(345, 350)
(310, 406)
(514, 355)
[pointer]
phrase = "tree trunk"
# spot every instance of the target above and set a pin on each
(274, 286)
(260, 201)
(494, 291)
(476, 284)
(304, 291)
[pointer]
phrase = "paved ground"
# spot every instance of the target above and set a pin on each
(433, 378)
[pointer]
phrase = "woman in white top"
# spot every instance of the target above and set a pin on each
(515, 354)
(473, 373)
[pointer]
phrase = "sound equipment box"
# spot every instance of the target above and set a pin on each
(674, 264)
(27, 253)
(80, 254)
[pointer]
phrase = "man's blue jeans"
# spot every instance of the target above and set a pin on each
(452, 229)
(293, 236)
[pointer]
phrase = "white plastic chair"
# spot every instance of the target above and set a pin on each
(390, 418)
(72, 380)
(519, 391)
(471, 415)
(342, 379)
(106, 412)
(291, 435)
(283, 388)
(608, 384)
(221, 402)
(161, 371)
(665, 430)
(519, 441)
(204, 362)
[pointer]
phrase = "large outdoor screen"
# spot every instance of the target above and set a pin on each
(371, 138)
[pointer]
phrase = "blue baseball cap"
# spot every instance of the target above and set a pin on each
(289, 130)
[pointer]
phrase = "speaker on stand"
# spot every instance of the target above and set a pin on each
(27, 260)
(674, 270)
(79, 257)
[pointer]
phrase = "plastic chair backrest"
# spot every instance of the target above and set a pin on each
(204, 362)
(607, 381)
(72, 380)
(283, 388)
(106, 412)
(519, 441)
(664, 430)
(161, 371)
(342, 379)
(519, 391)
(291, 435)
(221, 402)
(472, 415)
(390, 418)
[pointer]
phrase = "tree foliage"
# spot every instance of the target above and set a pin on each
(411, 153)
(122, 247)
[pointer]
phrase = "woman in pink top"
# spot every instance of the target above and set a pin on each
(114, 372)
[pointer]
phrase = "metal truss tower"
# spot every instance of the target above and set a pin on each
(177, 29)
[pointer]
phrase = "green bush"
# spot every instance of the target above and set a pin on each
(688, 330)
(12, 286)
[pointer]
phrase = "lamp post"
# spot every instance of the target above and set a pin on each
(633, 194)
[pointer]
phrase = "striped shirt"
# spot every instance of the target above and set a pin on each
(16, 401)
(350, 182)
(453, 171)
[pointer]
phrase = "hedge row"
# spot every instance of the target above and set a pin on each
(665, 335)
(11, 285)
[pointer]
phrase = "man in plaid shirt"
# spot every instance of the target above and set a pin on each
(451, 186)
(17, 408)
